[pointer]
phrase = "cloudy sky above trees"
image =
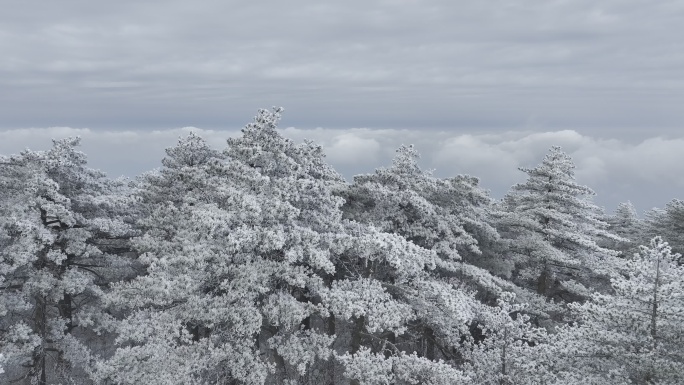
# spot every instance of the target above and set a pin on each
(478, 87)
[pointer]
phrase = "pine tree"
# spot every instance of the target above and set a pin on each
(449, 217)
(402, 200)
(626, 224)
(376, 280)
(554, 230)
(62, 230)
(256, 235)
(667, 223)
(508, 347)
(635, 334)
(192, 315)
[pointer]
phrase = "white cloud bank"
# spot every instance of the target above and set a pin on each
(648, 172)
(127, 153)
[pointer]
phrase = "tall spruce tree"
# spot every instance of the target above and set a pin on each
(553, 230)
(626, 224)
(667, 223)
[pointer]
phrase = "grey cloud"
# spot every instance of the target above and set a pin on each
(479, 87)
(392, 64)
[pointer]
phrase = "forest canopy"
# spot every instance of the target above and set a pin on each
(257, 263)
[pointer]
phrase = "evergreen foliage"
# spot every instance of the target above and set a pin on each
(258, 264)
(63, 235)
(626, 224)
(554, 231)
(633, 335)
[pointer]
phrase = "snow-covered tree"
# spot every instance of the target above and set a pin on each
(451, 218)
(256, 235)
(634, 335)
(184, 173)
(507, 349)
(61, 231)
(314, 237)
(554, 229)
(368, 368)
(375, 280)
(192, 315)
(406, 200)
(667, 223)
(626, 224)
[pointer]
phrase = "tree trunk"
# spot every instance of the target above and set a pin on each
(268, 331)
(392, 339)
(359, 324)
(40, 320)
(356, 334)
(66, 310)
(429, 336)
(65, 306)
(331, 325)
(543, 281)
(503, 381)
(654, 308)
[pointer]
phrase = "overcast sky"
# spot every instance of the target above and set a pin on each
(481, 87)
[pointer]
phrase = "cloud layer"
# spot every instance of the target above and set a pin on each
(479, 87)
(647, 172)
(502, 64)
